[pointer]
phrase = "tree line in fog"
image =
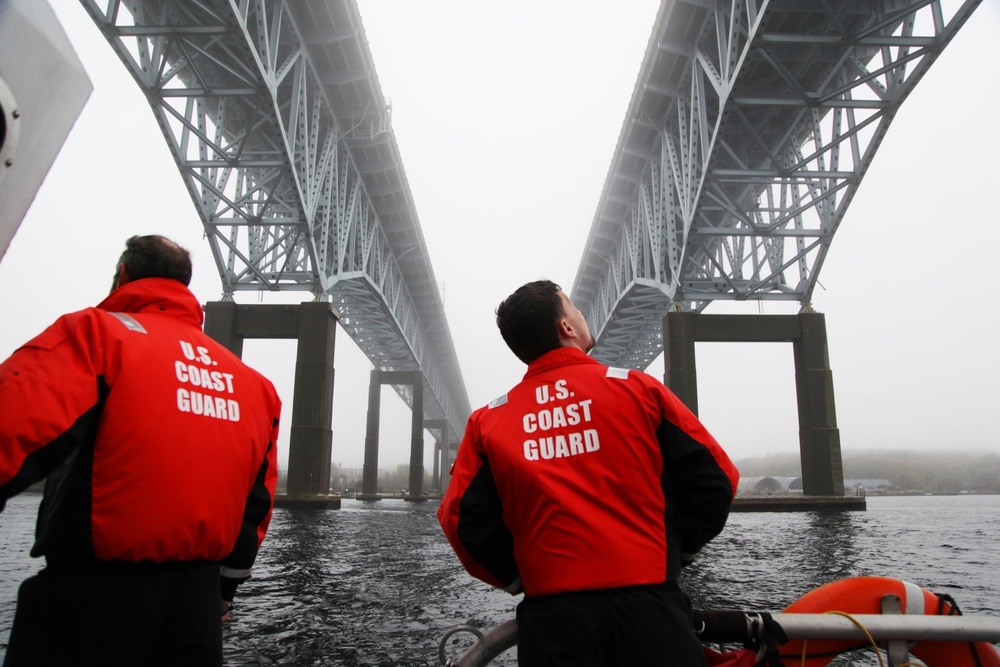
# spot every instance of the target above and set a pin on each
(908, 470)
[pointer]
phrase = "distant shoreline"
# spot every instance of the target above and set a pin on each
(878, 494)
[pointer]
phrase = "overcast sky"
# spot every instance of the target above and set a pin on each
(507, 117)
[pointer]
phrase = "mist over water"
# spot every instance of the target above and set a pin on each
(376, 584)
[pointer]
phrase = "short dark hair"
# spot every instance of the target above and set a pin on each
(155, 256)
(528, 319)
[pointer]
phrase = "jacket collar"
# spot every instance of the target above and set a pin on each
(155, 295)
(559, 357)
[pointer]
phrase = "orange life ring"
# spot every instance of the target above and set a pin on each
(863, 595)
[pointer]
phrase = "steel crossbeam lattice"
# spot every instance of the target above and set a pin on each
(750, 128)
(277, 123)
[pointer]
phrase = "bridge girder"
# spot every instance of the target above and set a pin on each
(751, 126)
(278, 126)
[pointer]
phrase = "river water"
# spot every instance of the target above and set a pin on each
(376, 584)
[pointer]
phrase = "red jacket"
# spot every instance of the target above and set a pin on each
(158, 443)
(584, 477)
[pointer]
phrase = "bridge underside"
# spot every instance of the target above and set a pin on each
(280, 131)
(750, 129)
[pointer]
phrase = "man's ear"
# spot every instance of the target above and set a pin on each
(122, 276)
(565, 330)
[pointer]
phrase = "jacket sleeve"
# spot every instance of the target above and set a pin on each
(699, 478)
(256, 517)
(51, 390)
(471, 515)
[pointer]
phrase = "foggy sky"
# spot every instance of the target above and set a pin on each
(507, 119)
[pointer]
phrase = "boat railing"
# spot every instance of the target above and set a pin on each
(893, 632)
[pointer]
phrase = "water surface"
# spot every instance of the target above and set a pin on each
(376, 584)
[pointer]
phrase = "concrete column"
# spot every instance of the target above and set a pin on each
(311, 436)
(449, 459)
(314, 326)
(436, 473)
(680, 372)
(220, 325)
(439, 426)
(819, 437)
(369, 474)
(441, 464)
(445, 475)
(417, 440)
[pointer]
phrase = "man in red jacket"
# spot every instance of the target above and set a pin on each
(585, 487)
(157, 446)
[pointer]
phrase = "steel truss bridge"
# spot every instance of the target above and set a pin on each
(276, 120)
(750, 128)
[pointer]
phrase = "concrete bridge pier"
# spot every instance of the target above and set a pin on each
(436, 472)
(819, 437)
(440, 451)
(314, 326)
(369, 474)
(416, 490)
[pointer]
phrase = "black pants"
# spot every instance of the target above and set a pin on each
(161, 615)
(641, 626)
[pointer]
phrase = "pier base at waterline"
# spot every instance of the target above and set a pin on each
(800, 504)
(314, 501)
